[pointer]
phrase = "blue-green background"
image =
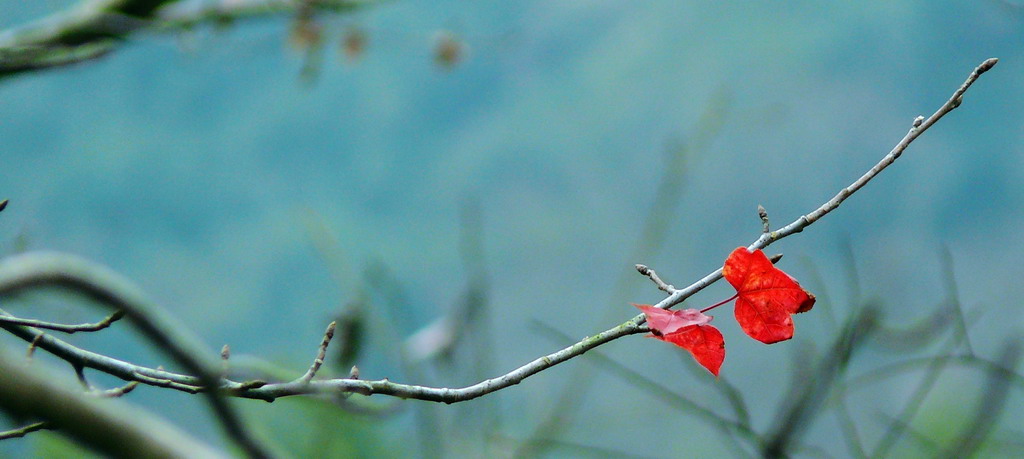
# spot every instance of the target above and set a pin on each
(201, 164)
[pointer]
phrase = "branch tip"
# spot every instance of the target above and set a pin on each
(3, 205)
(987, 65)
(763, 214)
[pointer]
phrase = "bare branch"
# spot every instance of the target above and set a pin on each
(328, 335)
(6, 318)
(95, 28)
(22, 431)
(667, 288)
(799, 224)
(31, 270)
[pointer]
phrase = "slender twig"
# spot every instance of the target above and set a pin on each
(95, 28)
(118, 391)
(110, 393)
(804, 221)
(669, 288)
(22, 431)
(167, 383)
(644, 270)
(321, 353)
(63, 327)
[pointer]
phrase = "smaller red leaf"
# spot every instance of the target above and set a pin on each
(705, 343)
(663, 322)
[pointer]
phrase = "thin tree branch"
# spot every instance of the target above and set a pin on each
(804, 221)
(6, 318)
(644, 270)
(95, 28)
(29, 270)
(669, 288)
(22, 431)
(319, 360)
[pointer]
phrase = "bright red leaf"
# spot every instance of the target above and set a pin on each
(705, 342)
(688, 329)
(767, 296)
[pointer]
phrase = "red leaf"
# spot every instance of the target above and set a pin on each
(766, 296)
(705, 342)
(663, 322)
(688, 329)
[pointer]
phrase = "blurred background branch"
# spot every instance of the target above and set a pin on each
(95, 28)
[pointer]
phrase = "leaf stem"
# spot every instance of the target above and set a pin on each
(720, 303)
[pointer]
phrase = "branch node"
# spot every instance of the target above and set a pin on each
(353, 373)
(32, 346)
(254, 384)
(117, 391)
(918, 121)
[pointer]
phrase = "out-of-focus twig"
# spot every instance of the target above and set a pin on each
(6, 318)
(95, 28)
(26, 392)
